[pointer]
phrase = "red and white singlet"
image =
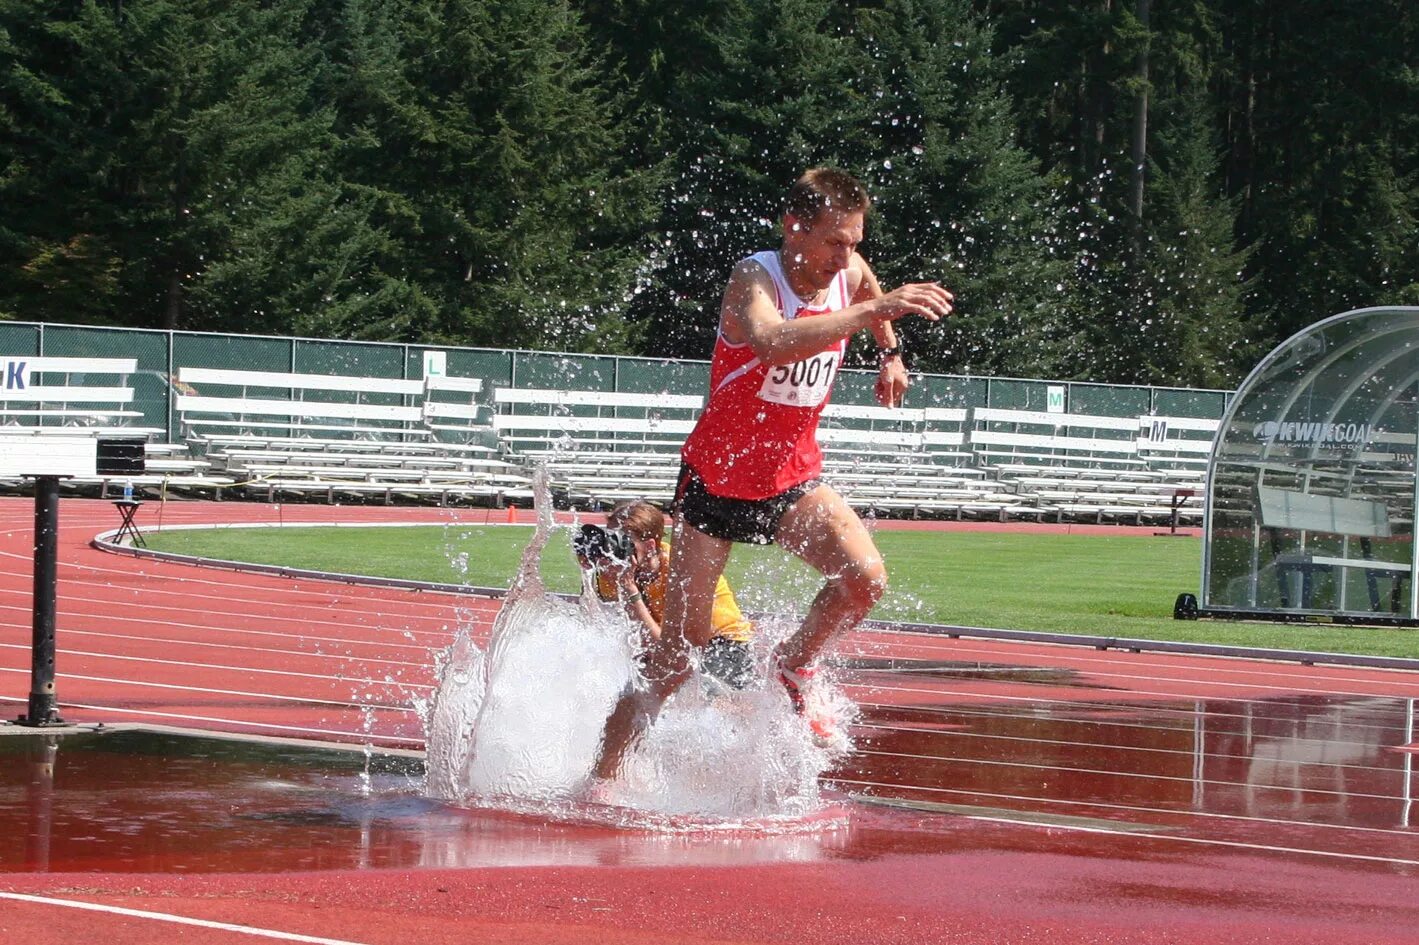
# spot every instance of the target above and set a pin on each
(758, 434)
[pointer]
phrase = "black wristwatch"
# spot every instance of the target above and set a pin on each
(886, 354)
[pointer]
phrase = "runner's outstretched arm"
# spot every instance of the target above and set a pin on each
(748, 314)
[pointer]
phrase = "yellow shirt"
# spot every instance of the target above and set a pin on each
(726, 618)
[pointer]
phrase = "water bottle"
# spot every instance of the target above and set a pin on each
(128, 490)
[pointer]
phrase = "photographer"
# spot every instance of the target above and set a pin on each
(631, 561)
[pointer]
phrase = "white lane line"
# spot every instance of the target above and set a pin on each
(1124, 717)
(1147, 749)
(176, 919)
(242, 581)
(880, 790)
(291, 628)
(1132, 695)
(159, 586)
(1141, 775)
(1204, 841)
(1297, 689)
(79, 604)
(242, 648)
(329, 677)
(306, 700)
(238, 723)
(1083, 659)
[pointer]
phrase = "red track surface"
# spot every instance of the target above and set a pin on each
(1039, 793)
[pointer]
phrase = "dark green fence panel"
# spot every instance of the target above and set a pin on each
(1177, 402)
(650, 376)
(350, 359)
(1107, 400)
(855, 388)
(564, 371)
(1008, 394)
(19, 339)
(947, 390)
(647, 376)
(230, 352)
(493, 367)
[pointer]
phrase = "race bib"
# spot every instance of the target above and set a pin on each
(802, 384)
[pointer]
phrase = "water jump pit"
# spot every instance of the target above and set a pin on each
(131, 800)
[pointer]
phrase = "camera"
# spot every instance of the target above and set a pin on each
(595, 544)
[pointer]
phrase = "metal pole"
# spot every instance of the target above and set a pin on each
(43, 706)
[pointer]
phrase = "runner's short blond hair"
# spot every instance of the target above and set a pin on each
(822, 188)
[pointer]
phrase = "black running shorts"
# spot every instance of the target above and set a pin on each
(751, 521)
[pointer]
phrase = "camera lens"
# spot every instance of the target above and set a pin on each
(598, 544)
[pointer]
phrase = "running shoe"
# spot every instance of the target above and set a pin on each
(823, 721)
(599, 792)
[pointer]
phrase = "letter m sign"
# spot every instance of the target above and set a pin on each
(1158, 431)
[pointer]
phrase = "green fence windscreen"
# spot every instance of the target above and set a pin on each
(160, 353)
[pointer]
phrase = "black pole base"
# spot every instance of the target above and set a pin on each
(43, 713)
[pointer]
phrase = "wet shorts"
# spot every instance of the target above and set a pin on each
(729, 661)
(751, 521)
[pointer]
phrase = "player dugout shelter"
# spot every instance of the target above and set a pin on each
(1311, 485)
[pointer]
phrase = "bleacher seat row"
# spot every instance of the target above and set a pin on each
(600, 447)
(447, 439)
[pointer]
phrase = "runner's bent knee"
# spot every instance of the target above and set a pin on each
(866, 582)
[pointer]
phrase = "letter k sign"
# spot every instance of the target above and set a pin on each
(15, 375)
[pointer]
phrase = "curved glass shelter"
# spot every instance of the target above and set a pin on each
(1311, 482)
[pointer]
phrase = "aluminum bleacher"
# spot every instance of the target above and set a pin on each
(332, 437)
(44, 396)
(598, 446)
(336, 437)
(1096, 468)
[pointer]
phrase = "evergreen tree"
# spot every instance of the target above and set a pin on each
(1324, 157)
(169, 166)
(958, 200)
(488, 144)
(1193, 292)
(764, 91)
(904, 94)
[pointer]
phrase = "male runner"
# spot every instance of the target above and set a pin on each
(751, 464)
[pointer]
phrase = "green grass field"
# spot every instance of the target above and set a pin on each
(1117, 586)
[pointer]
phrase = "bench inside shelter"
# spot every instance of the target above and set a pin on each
(1356, 522)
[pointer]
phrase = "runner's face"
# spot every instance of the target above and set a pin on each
(824, 247)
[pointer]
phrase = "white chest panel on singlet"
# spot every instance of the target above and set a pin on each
(803, 383)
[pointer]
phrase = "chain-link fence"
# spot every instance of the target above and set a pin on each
(161, 353)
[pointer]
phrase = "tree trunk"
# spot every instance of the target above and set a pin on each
(1095, 91)
(173, 308)
(1140, 134)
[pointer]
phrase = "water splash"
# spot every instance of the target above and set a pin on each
(517, 726)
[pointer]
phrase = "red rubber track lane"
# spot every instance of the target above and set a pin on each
(1047, 793)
